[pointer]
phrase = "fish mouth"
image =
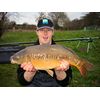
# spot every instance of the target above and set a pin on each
(12, 60)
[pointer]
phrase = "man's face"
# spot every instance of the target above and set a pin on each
(45, 35)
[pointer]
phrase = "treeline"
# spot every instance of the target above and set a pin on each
(89, 21)
(6, 24)
(25, 26)
(61, 21)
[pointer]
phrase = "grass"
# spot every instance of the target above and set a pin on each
(8, 71)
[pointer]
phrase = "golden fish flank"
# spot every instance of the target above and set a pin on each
(45, 57)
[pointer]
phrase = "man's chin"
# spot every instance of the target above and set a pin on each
(45, 42)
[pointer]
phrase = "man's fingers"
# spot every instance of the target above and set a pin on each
(28, 66)
(63, 66)
(22, 65)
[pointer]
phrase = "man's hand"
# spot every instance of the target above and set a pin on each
(28, 67)
(60, 71)
(30, 71)
(64, 65)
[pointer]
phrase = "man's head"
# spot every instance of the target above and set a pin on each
(45, 23)
(45, 30)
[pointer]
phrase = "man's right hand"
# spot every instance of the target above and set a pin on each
(28, 67)
(30, 71)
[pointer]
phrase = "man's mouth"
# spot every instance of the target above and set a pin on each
(45, 38)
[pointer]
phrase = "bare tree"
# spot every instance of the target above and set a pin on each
(12, 25)
(60, 19)
(92, 19)
(3, 20)
(42, 15)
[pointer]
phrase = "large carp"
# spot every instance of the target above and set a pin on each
(46, 57)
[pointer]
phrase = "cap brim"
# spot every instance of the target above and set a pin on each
(45, 27)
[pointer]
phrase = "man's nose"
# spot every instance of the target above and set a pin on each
(45, 31)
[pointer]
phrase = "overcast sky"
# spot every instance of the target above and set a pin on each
(30, 17)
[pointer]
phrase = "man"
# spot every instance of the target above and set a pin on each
(29, 76)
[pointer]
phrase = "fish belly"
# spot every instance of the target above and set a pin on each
(45, 64)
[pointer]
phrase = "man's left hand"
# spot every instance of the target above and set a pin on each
(64, 65)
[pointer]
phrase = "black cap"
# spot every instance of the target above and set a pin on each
(45, 23)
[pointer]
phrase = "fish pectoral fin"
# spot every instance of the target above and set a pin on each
(60, 74)
(50, 72)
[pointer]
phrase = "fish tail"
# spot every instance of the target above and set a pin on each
(84, 66)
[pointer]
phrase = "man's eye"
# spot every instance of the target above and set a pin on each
(41, 30)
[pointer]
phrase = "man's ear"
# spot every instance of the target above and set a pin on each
(53, 32)
(36, 32)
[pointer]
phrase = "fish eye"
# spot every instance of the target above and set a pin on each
(17, 57)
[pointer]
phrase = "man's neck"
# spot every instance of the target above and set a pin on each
(45, 43)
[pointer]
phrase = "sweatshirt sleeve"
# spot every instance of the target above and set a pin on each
(67, 80)
(20, 77)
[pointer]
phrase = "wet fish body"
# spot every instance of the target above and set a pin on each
(45, 57)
